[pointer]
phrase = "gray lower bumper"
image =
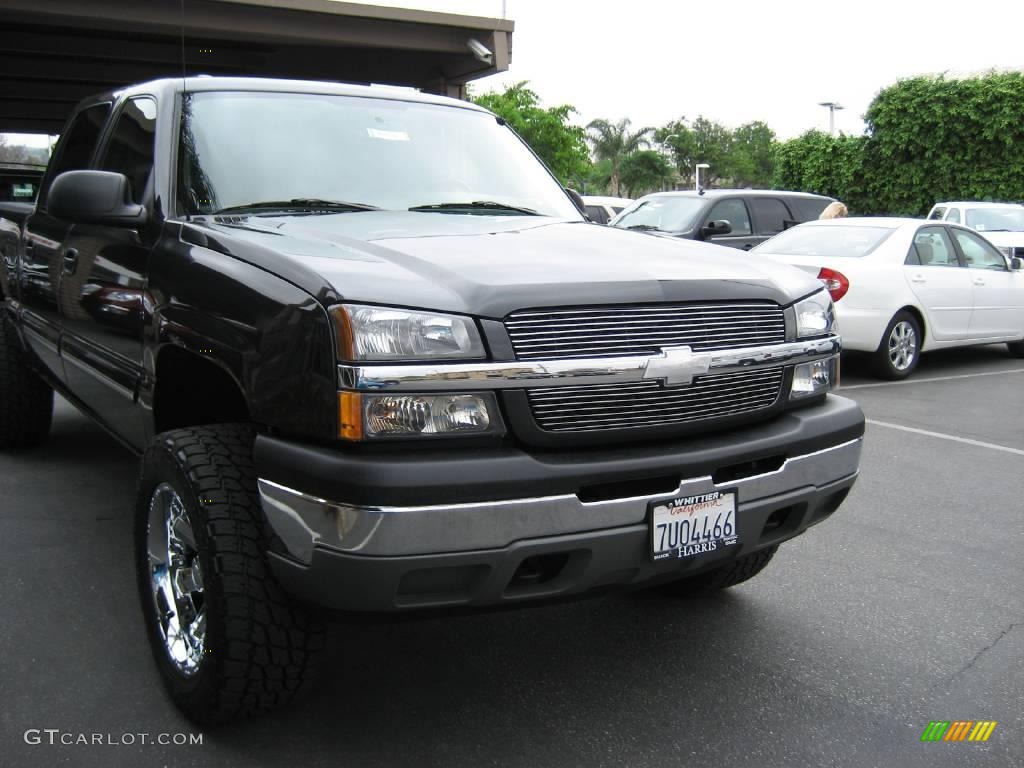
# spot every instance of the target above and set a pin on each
(304, 523)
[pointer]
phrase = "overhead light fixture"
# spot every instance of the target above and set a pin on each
(481, 51)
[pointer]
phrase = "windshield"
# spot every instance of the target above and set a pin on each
(667, 214)
(304, 150)
(844, 241)
(1009, 219)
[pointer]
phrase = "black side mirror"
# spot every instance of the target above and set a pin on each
(577, 200)
(716, 228)
(95, 197)
(1016, 263)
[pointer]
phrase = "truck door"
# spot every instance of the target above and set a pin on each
(41, 252)
(734, 210)
(105, 284)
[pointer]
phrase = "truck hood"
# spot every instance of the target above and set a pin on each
(491, 265)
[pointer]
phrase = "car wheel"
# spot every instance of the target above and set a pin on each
(1016, 348)
(900, 350)
(26, 401)
(739, 570)
(228, 641)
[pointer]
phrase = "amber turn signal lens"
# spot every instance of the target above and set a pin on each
(350, 416)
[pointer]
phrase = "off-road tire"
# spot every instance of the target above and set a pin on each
(882, 361)
(26, 401)
(260, 648)
(739, 570)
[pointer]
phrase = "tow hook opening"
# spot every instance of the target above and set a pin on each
(536, 570)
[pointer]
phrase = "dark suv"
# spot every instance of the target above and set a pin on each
(739, 218)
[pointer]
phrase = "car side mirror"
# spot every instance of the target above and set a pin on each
(716, 228)
(95, 197)
(1016, 263)
(577, 200)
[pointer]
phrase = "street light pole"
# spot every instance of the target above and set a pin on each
(696, 175)
(833, 107)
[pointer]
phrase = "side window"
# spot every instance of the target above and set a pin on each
(953, 215)
(735, 212)
(937, 213)
(770, 214)
(596, 214)
(978, 252)
(934, 248)
(76, 146)
(131, 146)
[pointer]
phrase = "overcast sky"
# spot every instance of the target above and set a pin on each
(742, 60)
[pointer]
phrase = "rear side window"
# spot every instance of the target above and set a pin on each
(77, 144)
(933, 248)
(953, 215)
(596, 214)
(770, 214)
(807, 208)
(734, 211)
(131, 147)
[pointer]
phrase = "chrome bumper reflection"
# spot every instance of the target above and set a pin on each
(303, 522)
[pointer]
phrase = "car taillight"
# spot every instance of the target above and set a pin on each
(835, 283)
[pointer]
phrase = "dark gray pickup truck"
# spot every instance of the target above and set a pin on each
(374, 358)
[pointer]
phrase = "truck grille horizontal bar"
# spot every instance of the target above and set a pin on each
(589, 408)
(555, 334)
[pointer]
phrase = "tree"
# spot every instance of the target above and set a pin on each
(678, 139)
(561, 145)
(712, 144)
(753, 155)
(644, 171)
(614, 142)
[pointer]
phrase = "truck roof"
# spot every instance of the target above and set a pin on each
(280, 85)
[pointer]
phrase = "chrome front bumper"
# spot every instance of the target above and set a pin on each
(306, 523)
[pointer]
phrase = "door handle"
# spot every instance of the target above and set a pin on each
(978, 281)
(918, 279)
(748, 246)
(70, 261)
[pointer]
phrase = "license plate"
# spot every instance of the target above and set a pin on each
(692, 525)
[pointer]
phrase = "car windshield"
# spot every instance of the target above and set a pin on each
(328, 154)
(666, 214)
(1008, 219)
(845, 241)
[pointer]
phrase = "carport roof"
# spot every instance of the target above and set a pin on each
(55, 52)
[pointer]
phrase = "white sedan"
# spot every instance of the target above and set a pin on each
(906, 286)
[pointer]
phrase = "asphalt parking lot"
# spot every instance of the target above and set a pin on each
(906, 607)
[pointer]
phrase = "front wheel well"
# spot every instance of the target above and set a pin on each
(917, 314)
(192, 391)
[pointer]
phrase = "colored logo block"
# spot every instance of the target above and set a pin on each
(958, 730)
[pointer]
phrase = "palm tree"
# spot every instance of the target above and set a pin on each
(614, 142)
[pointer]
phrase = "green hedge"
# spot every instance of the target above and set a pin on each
(928, 139)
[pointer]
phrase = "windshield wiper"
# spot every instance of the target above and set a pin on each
(478, 205)
(300, 204)
(645, 228)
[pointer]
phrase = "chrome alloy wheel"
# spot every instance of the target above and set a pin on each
(176, 580)
(902, 345)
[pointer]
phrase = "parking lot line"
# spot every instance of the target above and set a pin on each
(943, 436)
(934, 378)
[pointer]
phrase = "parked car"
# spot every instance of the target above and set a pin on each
(739, 218)
(906, 286)
(373, 358)
(601, 210)
(1001, 223)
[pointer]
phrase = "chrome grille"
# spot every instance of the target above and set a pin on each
(648, 404)
(618, 331)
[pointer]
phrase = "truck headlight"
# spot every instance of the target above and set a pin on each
(386, 333)
(815, 378)
(815, 316)
(372, 416)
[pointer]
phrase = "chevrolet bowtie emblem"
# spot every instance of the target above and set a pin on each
(677, 366)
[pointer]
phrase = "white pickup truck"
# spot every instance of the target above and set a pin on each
(1002, 224)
